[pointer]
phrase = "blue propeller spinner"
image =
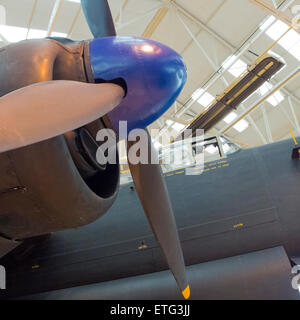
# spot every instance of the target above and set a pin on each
(154, 76)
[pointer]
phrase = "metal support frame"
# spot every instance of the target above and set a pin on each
(138, 18)
(219, 72)
(215, 67)
(119, 17)
(31, 17)
(74, 21)
(54, 15)
(277, 11)
(267, 123)
(155, 22)
(294, 115)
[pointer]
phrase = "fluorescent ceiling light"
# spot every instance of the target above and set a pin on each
(230, 117)
(267, 23)
(59, 34)
(77, 1)
(241, 125)
(236, 68)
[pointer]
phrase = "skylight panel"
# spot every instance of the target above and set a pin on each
(178, 126)
(277, 30)
(36, 34)
(236, 68)
(196, 95)
(59, 34)
(13, 34)
(289, 40)
(275, 98)
(175, 125)
(206, 99)
(265, 88)
(295, 51)
(267, 23)
(241, 125)
(230, 117)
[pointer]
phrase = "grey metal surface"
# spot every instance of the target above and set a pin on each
(249, 203)
(40, 182)
(264, 274)
(7, 245)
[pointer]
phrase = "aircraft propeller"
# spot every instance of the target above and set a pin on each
(148, 178)
(48, 109)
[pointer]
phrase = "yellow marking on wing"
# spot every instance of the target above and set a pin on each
(239, 225)
(143, 246)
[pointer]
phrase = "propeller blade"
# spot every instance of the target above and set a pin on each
(99, 18)
(47, 109)
(152, 191)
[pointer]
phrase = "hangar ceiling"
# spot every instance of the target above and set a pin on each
(218, 39)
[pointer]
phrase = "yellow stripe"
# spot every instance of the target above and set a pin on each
(186, 292)
(296, 143)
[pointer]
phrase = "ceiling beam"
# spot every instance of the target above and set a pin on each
(54, 15)
(74, 21)
(155, 22)
(203, 25)
(31, 17)
(119, 16)
(273, 11)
